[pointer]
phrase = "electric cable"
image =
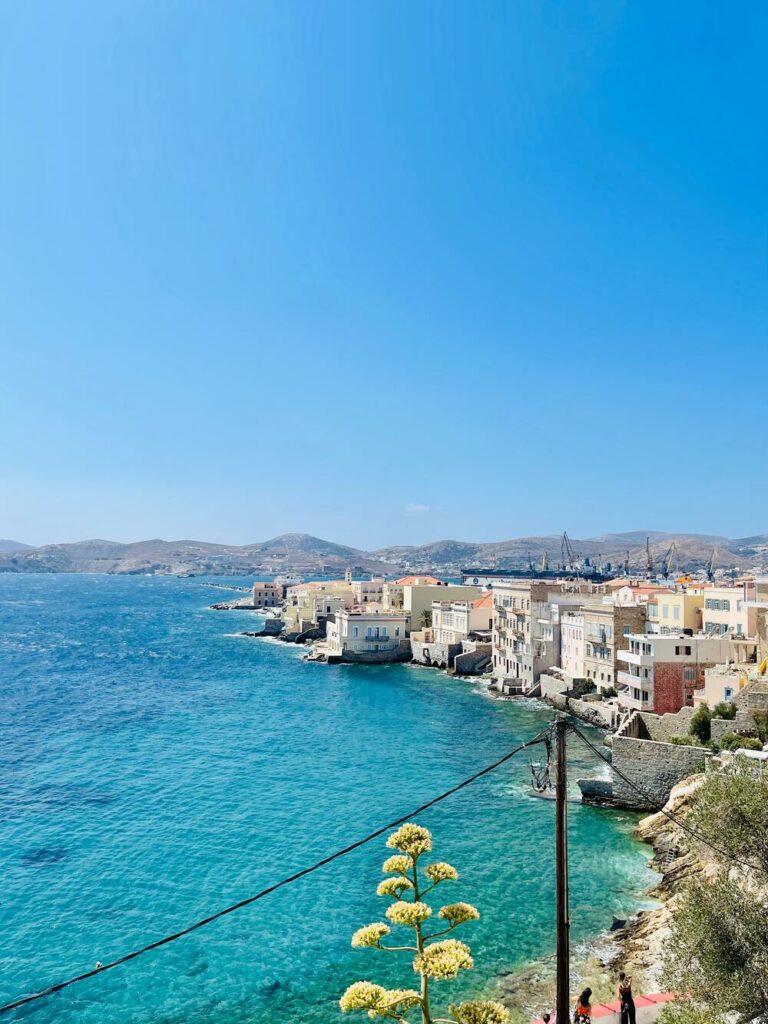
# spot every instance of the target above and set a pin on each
(101, 968)
(661, 809)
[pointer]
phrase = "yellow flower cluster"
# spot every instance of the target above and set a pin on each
(371, 935)
(363, 995)
(442, 960)
(411, 839)
(441, 872)
(397, 864)
(408, 913)
(394, 887)
(458, 913)
(480, 1013)
(377, 1000)
(400, 999)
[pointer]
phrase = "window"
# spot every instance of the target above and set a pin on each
(665, 611)
(676, 612)
(728, 693)
(397, 631)
(689, 675)
(355, 631)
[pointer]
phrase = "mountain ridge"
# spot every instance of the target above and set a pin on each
(303, 552)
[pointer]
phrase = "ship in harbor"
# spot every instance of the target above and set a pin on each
(571, 566)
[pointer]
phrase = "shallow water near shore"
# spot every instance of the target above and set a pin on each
(154, 768)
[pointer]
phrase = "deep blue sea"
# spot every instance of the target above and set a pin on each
(155, 767)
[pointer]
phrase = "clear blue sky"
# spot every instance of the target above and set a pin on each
(384, 272)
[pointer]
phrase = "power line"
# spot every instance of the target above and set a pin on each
(51, 989)
(662, 810)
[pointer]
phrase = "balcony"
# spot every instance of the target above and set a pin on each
(641, 660)
(626, 700)
(627, 679)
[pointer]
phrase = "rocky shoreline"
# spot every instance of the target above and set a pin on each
(638, 947)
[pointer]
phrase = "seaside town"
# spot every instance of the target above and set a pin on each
(672, 668)
(645, 659)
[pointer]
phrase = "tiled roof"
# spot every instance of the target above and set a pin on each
(411, 581)
(486, 601)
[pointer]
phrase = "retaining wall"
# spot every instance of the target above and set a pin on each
(473, 658)
(654, 767)
(437, 654)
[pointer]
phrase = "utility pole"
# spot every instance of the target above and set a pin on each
(561, 855)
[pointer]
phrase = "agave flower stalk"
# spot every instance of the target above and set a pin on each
(406, 884)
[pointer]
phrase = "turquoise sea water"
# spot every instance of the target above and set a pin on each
(154, 767)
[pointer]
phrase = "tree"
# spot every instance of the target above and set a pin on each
(718, 950)
(425, 619)
(406, 885)
(701, 724)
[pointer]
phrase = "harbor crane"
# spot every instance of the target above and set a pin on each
(670, 559)
(544, 563)
(568, 555)
(711, 565)
(648, 558)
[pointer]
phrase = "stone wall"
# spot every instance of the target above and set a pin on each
(551, 686)
(597, 713)
(473, 659)
(654, 767)
(433, 653)
(401, 653)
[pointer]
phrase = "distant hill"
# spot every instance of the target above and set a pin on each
(10, 546)
(301, 552)
(694, 551)
(291, 551)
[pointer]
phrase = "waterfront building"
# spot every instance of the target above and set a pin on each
(606, 628)
(305, 601)
(266, 595)
(365, 635)
(418, 597)
(526, 628)
(455, 621)
(572, 644)
(660, 673)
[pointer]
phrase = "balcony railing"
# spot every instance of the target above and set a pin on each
(627, 679)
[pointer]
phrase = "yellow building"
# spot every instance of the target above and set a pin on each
(674, 611)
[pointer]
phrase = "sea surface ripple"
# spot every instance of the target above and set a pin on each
(154, 768)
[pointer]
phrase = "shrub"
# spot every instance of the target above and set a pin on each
(718, 949)
(732, 741)
(725, 709)
(685, 741)
(761, 724)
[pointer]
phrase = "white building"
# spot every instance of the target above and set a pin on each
(368, 591)
(359, 635)
(572, 645)
(453, 621)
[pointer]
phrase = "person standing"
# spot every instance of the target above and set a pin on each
(625, 996)
(582, 1013)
